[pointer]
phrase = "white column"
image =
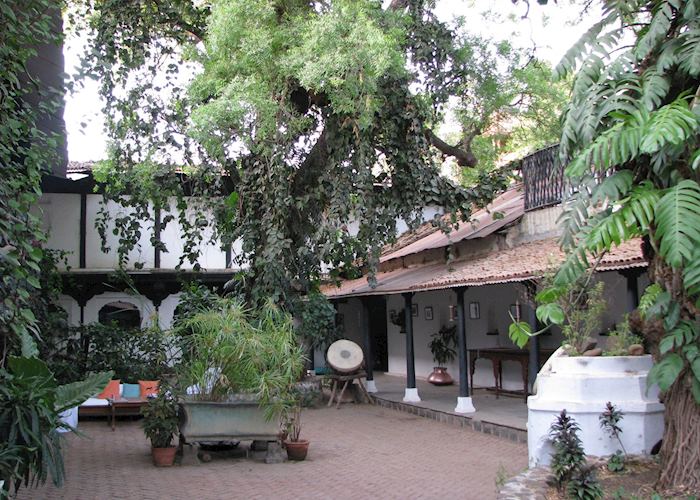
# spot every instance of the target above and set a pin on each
(411, 395)
(465, 405)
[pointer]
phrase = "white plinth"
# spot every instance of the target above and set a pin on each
(411, 396)
(371, 386)
(582, 386)
(465, 405)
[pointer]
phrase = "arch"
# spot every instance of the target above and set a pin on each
(145, 307)
(125, 314)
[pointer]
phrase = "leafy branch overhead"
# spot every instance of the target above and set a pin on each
(317, 113)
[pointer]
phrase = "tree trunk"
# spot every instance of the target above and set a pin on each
(680, 452)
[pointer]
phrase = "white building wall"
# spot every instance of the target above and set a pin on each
(60, 215)
(95, 258)
(70, 305)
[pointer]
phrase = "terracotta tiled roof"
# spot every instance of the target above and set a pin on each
(519, 263)
(509, 206)
(526, 261)
(79, 167)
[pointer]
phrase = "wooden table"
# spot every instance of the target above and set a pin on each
(125, 407)
(498, 355)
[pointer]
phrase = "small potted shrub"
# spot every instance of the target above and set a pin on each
(160, 426)
(297, 448)
(442, 346)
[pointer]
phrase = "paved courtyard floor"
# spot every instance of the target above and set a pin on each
(357, 452)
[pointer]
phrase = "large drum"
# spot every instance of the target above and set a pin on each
(345, 356)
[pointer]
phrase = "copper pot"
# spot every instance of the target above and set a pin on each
(440, 376)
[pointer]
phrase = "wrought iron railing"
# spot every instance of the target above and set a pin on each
(543, 178)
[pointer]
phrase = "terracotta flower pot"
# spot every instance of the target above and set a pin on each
(297, 450)
(440, 376)
(163, 457)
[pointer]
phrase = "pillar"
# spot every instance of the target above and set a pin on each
(464, 400)
(367, 336)
(411, 394)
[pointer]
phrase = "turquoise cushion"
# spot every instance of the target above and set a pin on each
(131, 391)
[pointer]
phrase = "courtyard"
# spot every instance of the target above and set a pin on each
(357, 451)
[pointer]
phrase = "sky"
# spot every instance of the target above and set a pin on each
(551, 29)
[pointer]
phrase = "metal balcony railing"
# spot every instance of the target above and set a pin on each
(543, 178)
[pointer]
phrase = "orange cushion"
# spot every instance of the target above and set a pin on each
(148, 387)
(111, 391)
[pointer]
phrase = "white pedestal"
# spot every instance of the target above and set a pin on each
(411, 396)
(465, 405)
(371, 386)
(583, 386)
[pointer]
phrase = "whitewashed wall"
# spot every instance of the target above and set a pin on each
(60, 215)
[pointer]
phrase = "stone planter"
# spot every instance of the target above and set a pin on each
(211, 421)
(582, 386)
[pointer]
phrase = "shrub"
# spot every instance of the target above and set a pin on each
(568, 454)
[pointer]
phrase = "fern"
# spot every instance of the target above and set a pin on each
(691, 273)
(678, 223)
(613, 187)
(689, 53)
(656, 30)
(654, 87)
(617, 145)
(590, 40)
(671, 124)
(648, 299)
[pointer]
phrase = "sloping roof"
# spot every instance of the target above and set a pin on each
(519, 263)
(510, 206)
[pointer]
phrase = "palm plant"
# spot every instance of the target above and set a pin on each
(30, 404)
(235, 351)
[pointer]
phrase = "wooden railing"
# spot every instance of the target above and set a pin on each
(543, 178)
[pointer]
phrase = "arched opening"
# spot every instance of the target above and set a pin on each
(124, 314)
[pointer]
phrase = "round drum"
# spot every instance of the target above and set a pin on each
(345, 356)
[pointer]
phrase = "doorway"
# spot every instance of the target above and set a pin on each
(377, 332)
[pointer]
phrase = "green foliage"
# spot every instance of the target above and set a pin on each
(443, 344)
(584, 484)
(568, 456)
(634, 109)
(610, 420)
(238, 351)
(616, 462)
(620, 339)
(160, 421)
(30, 405)
(317, 324)
(26, 153)
(306, 107)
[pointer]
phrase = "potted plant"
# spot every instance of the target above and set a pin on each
(297, 448)
(443, 346)
(160, 425)
(240, 371)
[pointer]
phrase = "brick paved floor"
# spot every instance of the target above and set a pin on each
(356, 452)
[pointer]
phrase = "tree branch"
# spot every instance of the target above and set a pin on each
(465, 158)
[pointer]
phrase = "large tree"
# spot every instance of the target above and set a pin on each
(316, 113)
(634, 121)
